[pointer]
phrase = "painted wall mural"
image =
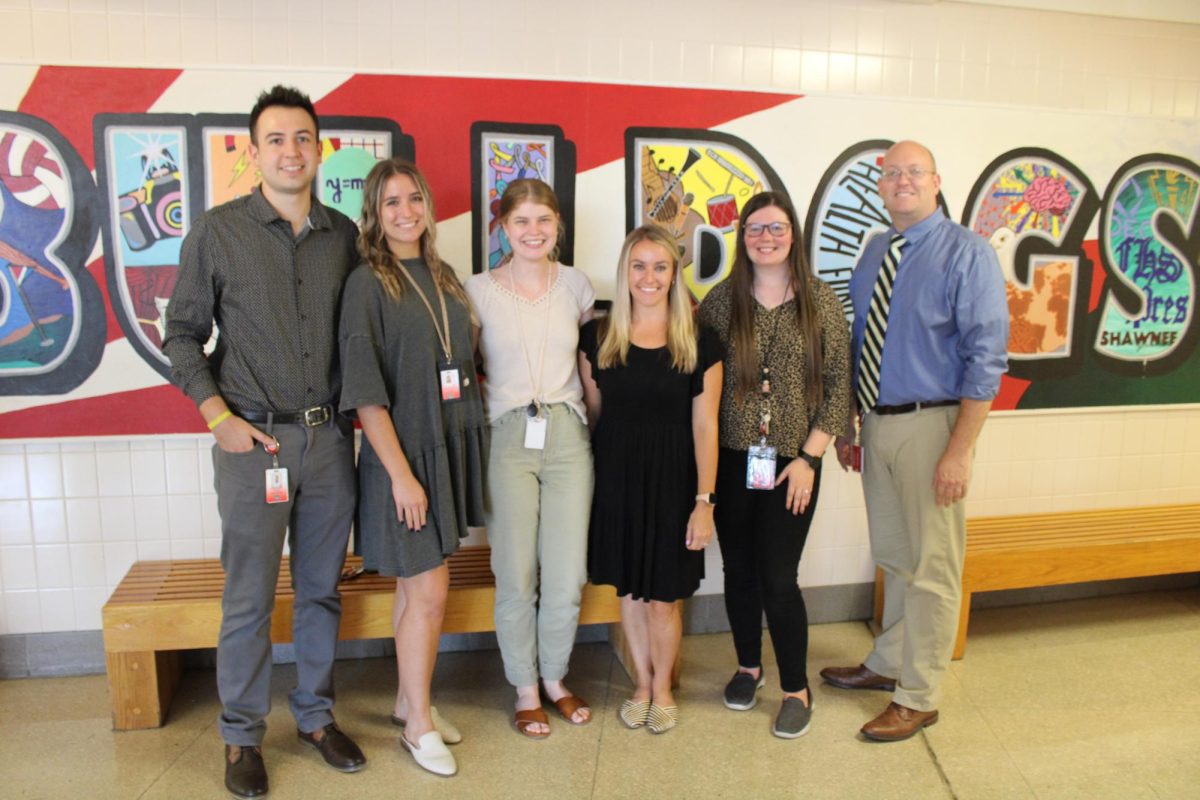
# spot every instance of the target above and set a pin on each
(1034, 208)
(51, 319)
(97, 192)
(1147, 232)
(502, 153)
(694, 184)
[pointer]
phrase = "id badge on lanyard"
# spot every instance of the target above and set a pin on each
(535, 427)
(760, 467)
(450, 381)
(277, 476)
(760, 458)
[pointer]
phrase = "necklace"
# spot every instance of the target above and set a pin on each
(534, 409)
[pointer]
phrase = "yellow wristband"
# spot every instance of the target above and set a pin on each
(218, 419)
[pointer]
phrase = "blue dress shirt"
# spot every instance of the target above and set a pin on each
(947, 332)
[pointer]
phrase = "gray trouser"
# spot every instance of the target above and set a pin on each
(919, 545)
(316, 520)
(539, 503)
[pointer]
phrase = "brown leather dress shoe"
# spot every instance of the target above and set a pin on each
(245, 773)
(338, 749)
(857, 678)
(898, 722)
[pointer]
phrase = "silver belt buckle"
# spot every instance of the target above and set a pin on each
(316, 416)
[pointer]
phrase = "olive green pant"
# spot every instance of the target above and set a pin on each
(538, 507)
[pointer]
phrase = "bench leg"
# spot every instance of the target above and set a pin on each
(620, 646)
(964, 616)
(141, 685)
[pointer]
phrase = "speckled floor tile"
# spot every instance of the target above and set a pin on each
(1082, 699)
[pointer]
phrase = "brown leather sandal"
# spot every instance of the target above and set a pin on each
(522, 720)
(567, 706)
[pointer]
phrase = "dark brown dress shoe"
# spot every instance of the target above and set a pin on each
(338, 749)
(857, 678)
(245, 773)
(898, 722)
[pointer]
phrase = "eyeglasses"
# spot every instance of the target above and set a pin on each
(914, 173)
(775, 228)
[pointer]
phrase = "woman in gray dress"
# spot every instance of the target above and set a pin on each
(406, 350)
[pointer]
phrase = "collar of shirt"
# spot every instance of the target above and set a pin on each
(262, 211)
(915, 233)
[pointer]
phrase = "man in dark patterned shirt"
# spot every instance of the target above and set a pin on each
(268, 268)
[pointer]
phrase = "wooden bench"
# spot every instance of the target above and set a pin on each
(164, 607)
(1028, 550)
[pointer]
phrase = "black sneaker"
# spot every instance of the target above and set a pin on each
(741, 693)
(794, 718)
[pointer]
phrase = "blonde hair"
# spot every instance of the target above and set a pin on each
(681, 324)
(531, 190)
(372, 240)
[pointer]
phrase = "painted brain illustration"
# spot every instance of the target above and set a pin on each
(1048, 194)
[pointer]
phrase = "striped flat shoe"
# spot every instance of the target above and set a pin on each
(662, 718)
(634, 713)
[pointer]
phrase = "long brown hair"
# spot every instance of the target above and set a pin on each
(372, 241)
(741, 320)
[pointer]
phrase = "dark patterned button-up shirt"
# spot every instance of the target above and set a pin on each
(274, 298)
(791, 418)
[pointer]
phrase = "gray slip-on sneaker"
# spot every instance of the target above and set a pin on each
(794, 718)
(741, 693)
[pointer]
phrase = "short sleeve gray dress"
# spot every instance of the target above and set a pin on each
(390, 355)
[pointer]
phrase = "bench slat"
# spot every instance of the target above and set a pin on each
(1029, 550)
(162, 607)
(176, 605)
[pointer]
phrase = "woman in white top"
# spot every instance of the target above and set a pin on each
(539, 487)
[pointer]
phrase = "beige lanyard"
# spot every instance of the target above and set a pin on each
(443, 332)
(535, 405)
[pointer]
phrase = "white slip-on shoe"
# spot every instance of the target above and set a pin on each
(450, 734)
(432, 754)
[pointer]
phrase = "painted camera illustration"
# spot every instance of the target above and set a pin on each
(154, 210)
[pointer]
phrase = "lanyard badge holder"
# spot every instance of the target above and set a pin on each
(450, 378)
(537, 419)
(760, 458)
(277, 476)
(536, 423)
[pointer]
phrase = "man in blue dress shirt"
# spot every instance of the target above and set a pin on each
(944, 347)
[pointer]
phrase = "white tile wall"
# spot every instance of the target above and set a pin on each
(75, 514)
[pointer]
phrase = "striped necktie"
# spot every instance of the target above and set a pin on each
(871, 357)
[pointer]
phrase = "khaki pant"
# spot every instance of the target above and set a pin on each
(919, 545)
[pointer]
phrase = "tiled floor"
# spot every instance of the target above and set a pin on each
(1095, 698)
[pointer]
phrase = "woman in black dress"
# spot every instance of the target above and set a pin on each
(652, 386)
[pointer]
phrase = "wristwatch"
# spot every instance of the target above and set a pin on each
(808, 458)
(707, 497)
